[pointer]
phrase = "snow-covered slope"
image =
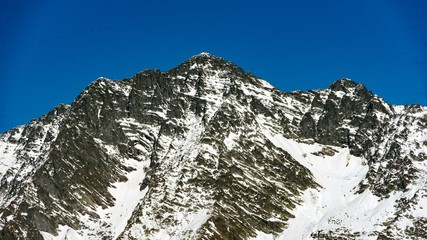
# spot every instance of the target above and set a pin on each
(209, 151)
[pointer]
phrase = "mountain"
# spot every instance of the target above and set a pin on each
(209, 151)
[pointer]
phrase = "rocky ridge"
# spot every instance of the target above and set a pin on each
(209, 151)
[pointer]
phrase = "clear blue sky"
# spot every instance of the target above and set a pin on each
(51, 50)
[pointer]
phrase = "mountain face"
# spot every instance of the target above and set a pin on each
(209, 151)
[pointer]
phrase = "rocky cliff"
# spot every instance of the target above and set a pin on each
(209, 151)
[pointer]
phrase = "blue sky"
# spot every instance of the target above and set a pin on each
(51, 50)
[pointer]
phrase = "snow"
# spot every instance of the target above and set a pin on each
(338, 175)
(262, 94)
(262, 236)
(7, 157)
(230, 140)
(399, 109)
(162, 114)
(336, 205)
(421, 111)
(15, 156)
(112, 220)
(197, 221)
(215, 87)
(202, 54)
(127, 195)
(185, 147)
(188, 227)
(130, 123)
(340, 94)
(265, 84)
(194, 66)
(64, 233)
(119, 87)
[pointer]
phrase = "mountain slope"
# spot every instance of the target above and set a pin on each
(209, 151)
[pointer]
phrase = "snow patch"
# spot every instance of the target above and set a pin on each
(202, 54)
(7, 157)
(335, 205)
(64, 233)
(265, 84)
(230, 141)
(198, 220)
(262, 236)
(127, 195)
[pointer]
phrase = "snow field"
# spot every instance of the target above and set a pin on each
(335, 205)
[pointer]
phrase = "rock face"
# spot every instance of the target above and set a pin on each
(209, 151)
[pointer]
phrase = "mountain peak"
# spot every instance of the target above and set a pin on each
(345, 84)
(205, 57)
(204, 61)
(206, 54)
